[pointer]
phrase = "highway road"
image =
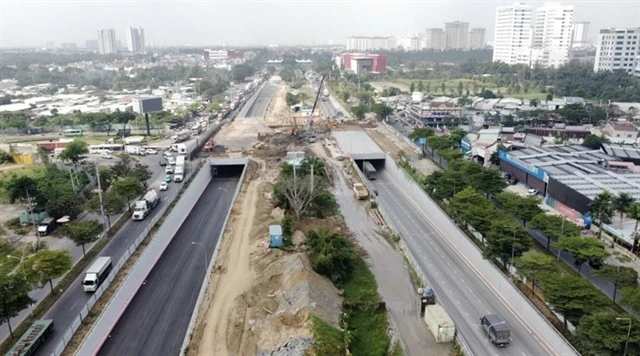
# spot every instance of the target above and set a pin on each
(66, 309)
(259, 106)
(156, 320)
(456, 283)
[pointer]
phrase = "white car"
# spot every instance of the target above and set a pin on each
(164, 186)
(532, 192)
(151, 151)
(106, 156)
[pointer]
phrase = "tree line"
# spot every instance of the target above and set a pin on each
(475, 198)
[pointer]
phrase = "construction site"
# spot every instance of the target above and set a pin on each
(261, 300)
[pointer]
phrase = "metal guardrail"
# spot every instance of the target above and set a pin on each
(86, 309)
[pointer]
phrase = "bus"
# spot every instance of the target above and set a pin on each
(369, 170)
(72, 132)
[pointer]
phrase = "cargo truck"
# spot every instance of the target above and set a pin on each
(32, 338)
(97, 273)
(439, 323)
(369, 171)
(178, 174)
(496, 330)
(360, 191)
(143, 207)
(46, 226)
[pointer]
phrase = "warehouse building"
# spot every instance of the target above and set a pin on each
(569, 177)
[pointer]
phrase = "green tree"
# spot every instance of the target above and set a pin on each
(292, 99)
(460, 86)
(523, 208)
(287, 225)
(123, 118)
(83, 232)
(428, 87)
(242, 71)
(142, 173)
(593, 141)
(21, 187)
(412, 87)
(46, 265)
(618, 275)
(488, 181)
(443, 87)
(74, 151)
(420, 86)
(583, 249)
(622, 203)
(472, 209)
(604, 334)
(554, 227)
(359, 111)
(505, 241)
(631, 297)
(439, 142)
(381, 110)
(601, 209)
(14, 297)
(535, 266)
(421, 132)
(331, 254)
(128, 187)
(573, 297)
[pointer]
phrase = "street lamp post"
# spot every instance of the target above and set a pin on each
(628, 335)
(204, 250)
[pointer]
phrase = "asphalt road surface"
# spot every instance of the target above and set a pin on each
(156, 320)
(66, 309)
(464, 296)
(259, 106)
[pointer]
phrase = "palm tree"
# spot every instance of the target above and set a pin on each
(634, 213)
(601, 208)
(621, 204)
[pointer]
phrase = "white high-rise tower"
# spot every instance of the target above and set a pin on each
(107, 41)
(552, 33)
(512, 33)
(135, 39)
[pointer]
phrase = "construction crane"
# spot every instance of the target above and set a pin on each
(307, 127)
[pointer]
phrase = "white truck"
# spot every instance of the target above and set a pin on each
(143, 207)
(439, 323)
(178, 174)
(360, 191)
(96, 274)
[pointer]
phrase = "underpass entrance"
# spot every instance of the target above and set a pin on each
(222, 168)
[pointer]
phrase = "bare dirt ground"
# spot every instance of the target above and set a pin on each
(260, 299)
(278, 112)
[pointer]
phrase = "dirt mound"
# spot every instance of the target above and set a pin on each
(276, 310)
(241, 134)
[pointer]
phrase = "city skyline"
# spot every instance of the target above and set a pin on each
(22, 24)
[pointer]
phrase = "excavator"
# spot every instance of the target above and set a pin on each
(307, 128)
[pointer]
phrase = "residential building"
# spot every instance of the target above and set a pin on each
(552, 33)
(135, 39)
(456, 35)
(620, 132)
(579, 34)
(366, 43)
(434, 38)
(512, 32)
(618, 49)
(107, 41)
(216, 55)
(476, 38)
(360, 63)
(412, 42)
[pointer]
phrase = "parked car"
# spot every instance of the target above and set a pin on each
(151, 151)
(106, 156)
(164, 186)
(532, 192)
(167, 178)
(162, 163)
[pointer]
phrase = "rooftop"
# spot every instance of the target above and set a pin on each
(358, 145)
(563, 159)
(622, 151)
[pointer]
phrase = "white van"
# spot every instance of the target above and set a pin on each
(171, 160)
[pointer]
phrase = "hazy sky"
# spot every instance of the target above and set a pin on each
(28, 23)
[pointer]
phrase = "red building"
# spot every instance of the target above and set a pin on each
(372, 63)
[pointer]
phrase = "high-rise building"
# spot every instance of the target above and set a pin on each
(91, 44)
(476, 38)
(552, 33)
(107, 41)
(368, 43)
(135, 39)
(512, 33)
(68, 45)
(412, 42)
(618, 49)
(434, 38)
(456, 35)
(579, 34)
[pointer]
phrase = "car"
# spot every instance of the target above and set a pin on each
(164, 186)
(162, 163)
(168, 170)
(167, 178)
(532, 192)
(151, 151)
(106, 156)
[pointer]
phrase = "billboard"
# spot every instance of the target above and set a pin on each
(144, 105)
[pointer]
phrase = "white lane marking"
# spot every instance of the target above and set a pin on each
(74, 305)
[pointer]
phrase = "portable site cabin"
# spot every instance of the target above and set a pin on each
(275, 236)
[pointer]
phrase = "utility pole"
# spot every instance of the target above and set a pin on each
(100, 195)
(33, 221)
